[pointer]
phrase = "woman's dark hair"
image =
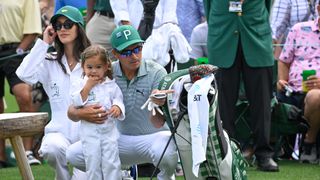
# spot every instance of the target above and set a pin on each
(103, 55)
(82, 42)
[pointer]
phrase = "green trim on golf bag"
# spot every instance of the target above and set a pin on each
(166, 83)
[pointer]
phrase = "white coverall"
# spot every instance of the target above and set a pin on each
(60, 132)
(99, 141)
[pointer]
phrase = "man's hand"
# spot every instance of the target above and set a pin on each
(157, 99)
(157, 118)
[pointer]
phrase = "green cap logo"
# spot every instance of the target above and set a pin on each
(124, 36)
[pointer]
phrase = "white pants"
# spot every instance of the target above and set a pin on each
(100, 149)
(53, 149)
(99, 30)
(137, 150)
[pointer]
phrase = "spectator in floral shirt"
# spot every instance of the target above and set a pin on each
(302, 52)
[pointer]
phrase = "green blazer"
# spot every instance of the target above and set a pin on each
(226, 29)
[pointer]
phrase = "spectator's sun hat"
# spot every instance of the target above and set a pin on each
(124, 36)
(69, 12)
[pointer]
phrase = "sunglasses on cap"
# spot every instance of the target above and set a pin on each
(127, 53)
(68, 24)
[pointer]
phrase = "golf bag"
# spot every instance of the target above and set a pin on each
(221, 157)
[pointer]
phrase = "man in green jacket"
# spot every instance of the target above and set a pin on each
(240, 44)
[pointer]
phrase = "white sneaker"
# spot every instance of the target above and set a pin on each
(125, 174)
(31, 159)
(310, 157)
(295, 154)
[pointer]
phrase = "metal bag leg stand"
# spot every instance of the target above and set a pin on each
(173, 132)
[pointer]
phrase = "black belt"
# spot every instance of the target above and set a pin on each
(105, 13)
(9, 46)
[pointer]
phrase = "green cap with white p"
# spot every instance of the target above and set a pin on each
(124, 36)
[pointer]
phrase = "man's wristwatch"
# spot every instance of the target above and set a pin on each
(19, 51)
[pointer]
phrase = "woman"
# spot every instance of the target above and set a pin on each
(285, 14)
(56, 71)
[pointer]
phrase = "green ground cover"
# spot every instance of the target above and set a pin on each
(10, 100)
(289, 170)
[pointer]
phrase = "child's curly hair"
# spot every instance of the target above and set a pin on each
(102, 53)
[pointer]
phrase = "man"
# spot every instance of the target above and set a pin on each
(20, 24)
(131, 12)
(198, 41)
(142, 135)
(46, 9)
(189, 14)
(285, 14)
(99, 22)
(239, 42)
(301, 52)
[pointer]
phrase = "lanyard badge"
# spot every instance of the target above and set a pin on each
(235, 6)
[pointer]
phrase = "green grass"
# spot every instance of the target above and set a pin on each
(289, 170)
(42, 172)
(10, 100)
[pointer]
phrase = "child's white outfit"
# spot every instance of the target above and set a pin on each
(99, 141)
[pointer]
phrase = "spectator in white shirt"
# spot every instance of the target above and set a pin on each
(131, 12)
(285, 14)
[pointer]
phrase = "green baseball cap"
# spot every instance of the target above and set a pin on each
(69, 12)
(124, 36)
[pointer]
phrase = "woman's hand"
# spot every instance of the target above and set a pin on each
(91, 113)
(49, 35)
(313, 82)
(281, 85)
